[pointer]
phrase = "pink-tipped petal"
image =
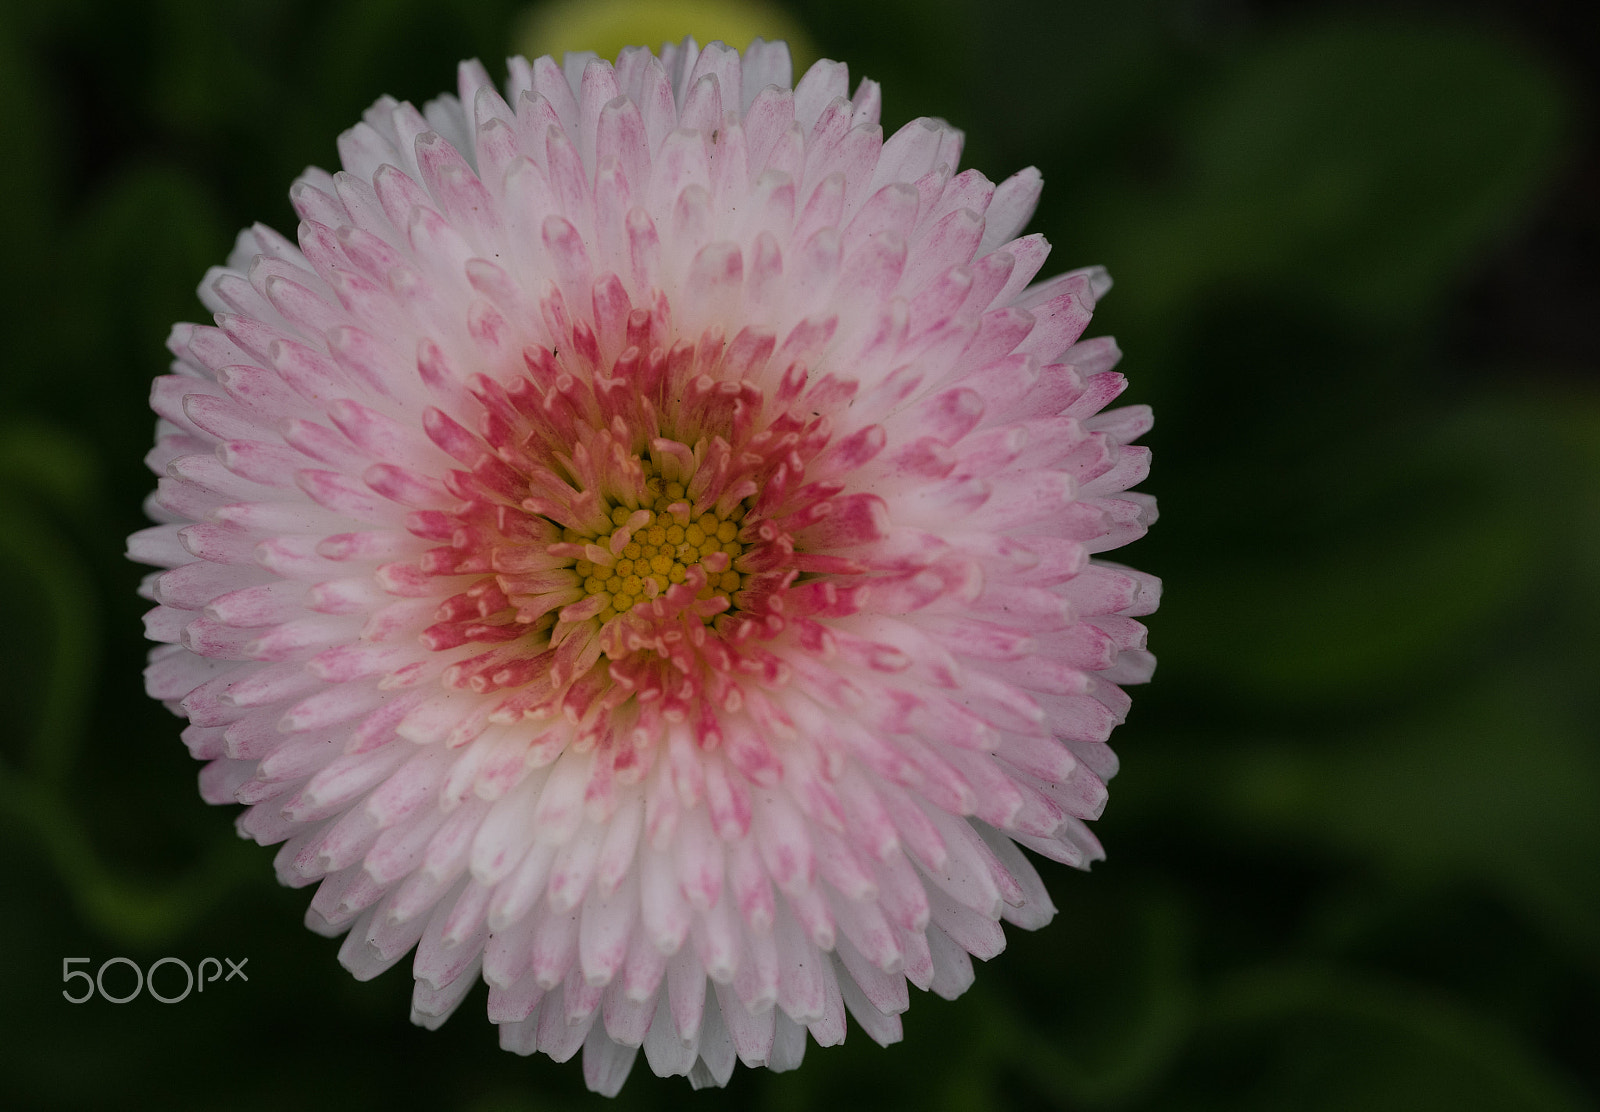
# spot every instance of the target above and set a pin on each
(640, 548)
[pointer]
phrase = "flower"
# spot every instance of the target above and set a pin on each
(637, 547)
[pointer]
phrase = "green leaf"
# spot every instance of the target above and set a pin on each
(1364, 162)
(1367, 618)
(1416, 543)
(206, 73)
(28, 180)
(1087, 1013)
(1120, 959)
(1497, 786)
(49, 595)
(134, 261)
(131, 911)
(1315, 1040)
(47, 461)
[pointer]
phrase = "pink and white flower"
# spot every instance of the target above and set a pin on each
(637, 547)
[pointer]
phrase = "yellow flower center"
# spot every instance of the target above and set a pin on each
(651, 548)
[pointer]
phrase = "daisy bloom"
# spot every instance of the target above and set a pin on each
(636, 549)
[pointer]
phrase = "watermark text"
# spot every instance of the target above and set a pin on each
(144, 980)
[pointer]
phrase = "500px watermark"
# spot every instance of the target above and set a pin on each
(145, 980)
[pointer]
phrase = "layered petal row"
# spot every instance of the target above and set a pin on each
(639, 547)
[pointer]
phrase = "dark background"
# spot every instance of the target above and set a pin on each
(1355, 846)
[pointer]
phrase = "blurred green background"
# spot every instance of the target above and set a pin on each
(1355, 846)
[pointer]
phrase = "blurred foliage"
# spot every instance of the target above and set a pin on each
(1361, 163)
(1355, 850)
(606, 26)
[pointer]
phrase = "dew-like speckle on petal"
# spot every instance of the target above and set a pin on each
(640, 548)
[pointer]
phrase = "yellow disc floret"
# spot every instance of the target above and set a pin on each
(659, 550)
